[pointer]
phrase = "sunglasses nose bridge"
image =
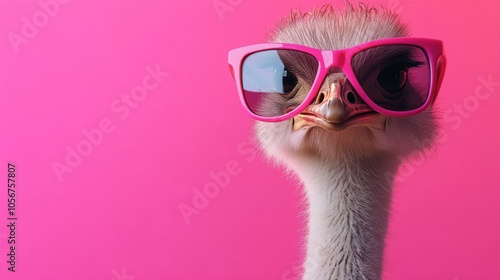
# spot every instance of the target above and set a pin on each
(334, 58)
(336, 84)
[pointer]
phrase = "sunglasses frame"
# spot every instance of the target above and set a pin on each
(342, 59)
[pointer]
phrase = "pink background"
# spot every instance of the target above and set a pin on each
(116, 214)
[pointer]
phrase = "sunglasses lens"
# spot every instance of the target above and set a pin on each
(272, 78)
(395, 77)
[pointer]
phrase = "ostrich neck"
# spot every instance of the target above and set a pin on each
(348, 215)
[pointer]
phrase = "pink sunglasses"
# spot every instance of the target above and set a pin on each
(395, 76)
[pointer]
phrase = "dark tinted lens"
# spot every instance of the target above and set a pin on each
(395, 77)
(272, 77)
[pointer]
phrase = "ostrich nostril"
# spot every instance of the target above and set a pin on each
(351, 97)
(320, 98)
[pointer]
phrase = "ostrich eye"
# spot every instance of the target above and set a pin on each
(393, 77)
(290, 81)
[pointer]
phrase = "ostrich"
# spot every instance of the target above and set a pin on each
(343, 130)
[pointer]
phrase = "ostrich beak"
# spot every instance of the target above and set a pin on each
(338, 106)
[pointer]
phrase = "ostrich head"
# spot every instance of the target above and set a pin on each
(342, 101)
(338, 123)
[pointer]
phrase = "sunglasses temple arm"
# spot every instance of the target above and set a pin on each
(231, 70)
(440, 70)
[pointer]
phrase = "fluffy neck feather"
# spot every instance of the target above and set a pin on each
(348, 178)
(349, 204)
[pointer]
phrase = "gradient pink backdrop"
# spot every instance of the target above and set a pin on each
(116, 215)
